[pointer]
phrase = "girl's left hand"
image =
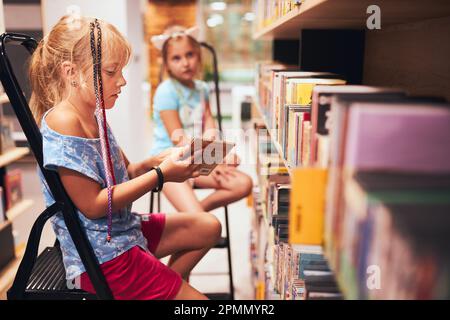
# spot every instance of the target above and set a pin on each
(160, 157)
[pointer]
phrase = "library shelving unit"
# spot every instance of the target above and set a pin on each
(410, 51)
(10, 156)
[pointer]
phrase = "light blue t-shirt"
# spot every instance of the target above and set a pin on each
(172, 95)
(84, 156)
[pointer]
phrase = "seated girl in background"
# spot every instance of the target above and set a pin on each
(75, 76)
(182, 111)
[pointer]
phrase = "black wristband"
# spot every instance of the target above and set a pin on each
(160, 179)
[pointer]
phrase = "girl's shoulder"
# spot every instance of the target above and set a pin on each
(62, 124)
(64, 121)
(165, 87)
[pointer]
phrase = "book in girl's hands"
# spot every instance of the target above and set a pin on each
(208, 153)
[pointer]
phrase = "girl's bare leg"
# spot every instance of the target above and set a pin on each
(189, 293)
(188, 237)
(232, 187)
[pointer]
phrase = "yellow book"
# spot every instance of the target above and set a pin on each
(302, 88)
(307, 203)
(260, 288)
(304, 93)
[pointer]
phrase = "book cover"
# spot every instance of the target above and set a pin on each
(397, 129)
(301, 89)
(306, 212)
(321, 104)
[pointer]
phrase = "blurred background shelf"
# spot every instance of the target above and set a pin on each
(12, 155)
(19, 208)
(349, 14)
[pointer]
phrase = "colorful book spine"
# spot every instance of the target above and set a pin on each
(306, 212)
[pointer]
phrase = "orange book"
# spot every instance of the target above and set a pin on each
(307, 204)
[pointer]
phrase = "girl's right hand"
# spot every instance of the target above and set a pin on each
(175, 168)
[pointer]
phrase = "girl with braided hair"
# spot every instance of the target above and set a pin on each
(76, 74)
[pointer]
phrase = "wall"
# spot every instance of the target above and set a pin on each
(158, 16)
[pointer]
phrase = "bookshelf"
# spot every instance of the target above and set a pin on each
(13, 155)
(8, 273)
(348, 14)
(18, 209)
(8, 155)
(274, 141)
(396, 57)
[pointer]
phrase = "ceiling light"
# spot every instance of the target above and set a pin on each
(218, 6)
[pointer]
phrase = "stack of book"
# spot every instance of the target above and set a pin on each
(302, 273)
(284, 98)
(271, 202)
(369, 186)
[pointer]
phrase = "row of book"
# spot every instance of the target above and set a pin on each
(392, 237)
(296, 123)
(268, 11)
(388, 194)
(303, 273)
(269, 172)
(281, 270)
(375, 189)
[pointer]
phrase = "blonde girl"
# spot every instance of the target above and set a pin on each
(69, 94)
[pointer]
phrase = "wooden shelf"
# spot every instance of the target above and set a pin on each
(350, 14)
(12, 155)
(18, 209)
(274, 140)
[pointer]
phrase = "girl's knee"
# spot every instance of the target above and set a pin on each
(211, 228)
(244, 185)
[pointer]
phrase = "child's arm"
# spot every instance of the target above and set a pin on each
(174, 127)
(92, 200)
(210, 129)
(138, 168)
(89, 197)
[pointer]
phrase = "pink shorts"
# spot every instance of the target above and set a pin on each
(138, 275)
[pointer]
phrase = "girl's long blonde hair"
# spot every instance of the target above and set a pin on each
(69, 40)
